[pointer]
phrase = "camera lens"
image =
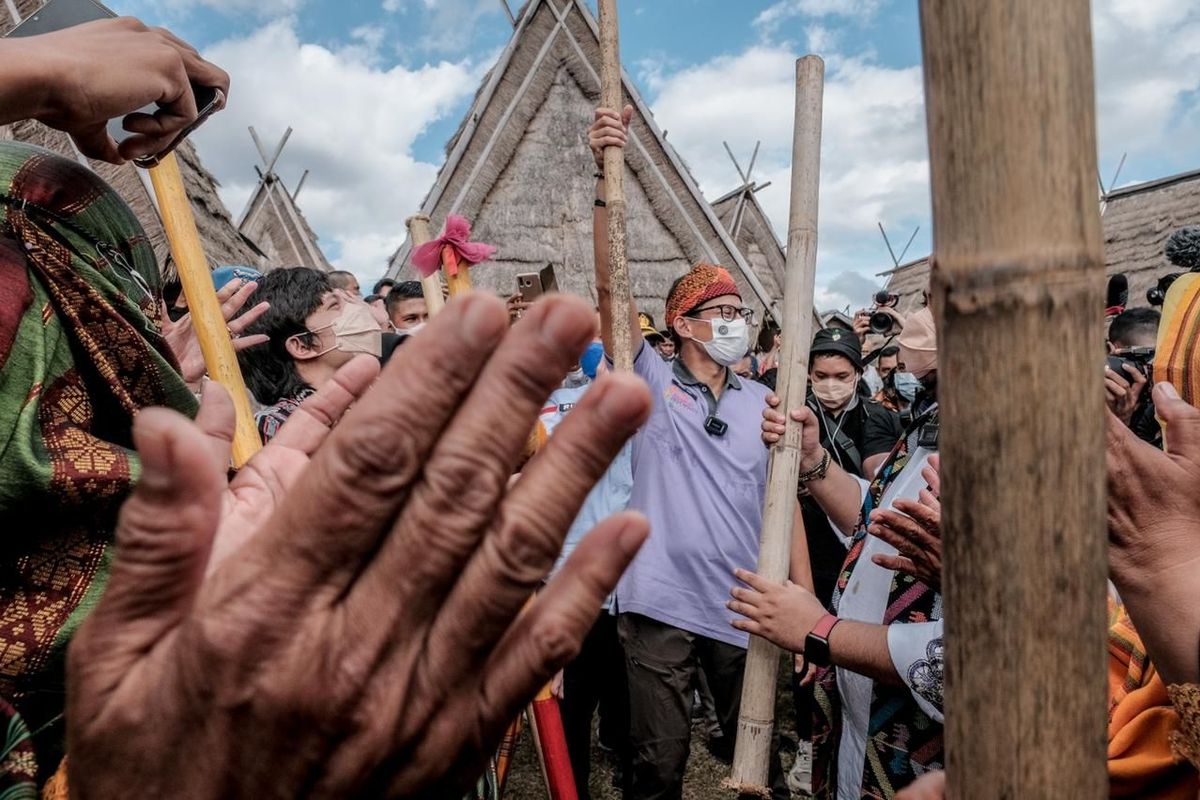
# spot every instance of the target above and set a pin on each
(882, 298)
(881, 323)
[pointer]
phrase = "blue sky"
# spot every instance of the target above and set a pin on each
(374, 88)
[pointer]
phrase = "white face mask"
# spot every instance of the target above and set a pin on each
(730, 341)
(412, 329)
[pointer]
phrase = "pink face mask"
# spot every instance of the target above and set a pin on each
(834, 394)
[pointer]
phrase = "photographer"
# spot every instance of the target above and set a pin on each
(1131, 340)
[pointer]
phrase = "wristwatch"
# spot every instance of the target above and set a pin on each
(816, 644)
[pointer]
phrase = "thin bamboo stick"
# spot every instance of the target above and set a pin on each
(196, 279)
(757, 717)
(418, 234)
(1018, 279)
(612, 96)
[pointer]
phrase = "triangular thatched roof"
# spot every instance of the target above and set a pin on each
(747, 224)
(274, 221)
(1137, 221)
(222, 242)
(520, 170)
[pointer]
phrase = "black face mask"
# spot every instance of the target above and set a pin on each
(174, 313)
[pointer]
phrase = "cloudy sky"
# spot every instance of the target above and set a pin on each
(373, 89)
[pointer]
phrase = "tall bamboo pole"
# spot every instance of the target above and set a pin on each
(757, 716)
(196, 279)
(612, 96)
(419, 233)
(1018, 281)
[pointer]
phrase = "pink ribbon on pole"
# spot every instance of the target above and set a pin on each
(427, 258)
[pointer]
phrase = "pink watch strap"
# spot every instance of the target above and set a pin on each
(824, 626)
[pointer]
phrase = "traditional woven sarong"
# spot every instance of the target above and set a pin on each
(80, 355)
(903, 742)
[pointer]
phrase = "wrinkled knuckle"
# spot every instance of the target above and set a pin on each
(524, 548)
(552, 645)
(462, 484)
(380, 460)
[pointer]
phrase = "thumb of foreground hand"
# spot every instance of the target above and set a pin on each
(163, 538)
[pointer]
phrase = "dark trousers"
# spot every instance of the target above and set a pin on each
(661, 662)
(595, 681)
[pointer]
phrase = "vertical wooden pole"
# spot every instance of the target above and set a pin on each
(1018, 291)
(612, 96)
(418, 234)
(458, 278)
(196, 279)
(757, 717)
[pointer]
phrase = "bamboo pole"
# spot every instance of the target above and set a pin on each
(1018, 279)
(756, 720)
(456, 274)
(196, 279)
(418, 234)
(612, 96)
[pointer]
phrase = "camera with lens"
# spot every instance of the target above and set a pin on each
(882, 322)
(1140, 358)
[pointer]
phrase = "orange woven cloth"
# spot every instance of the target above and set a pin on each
(1177, 357)
(1141, 719)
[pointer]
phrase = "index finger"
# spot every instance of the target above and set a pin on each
(347, 499)
(754, 580)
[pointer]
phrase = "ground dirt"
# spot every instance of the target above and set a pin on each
(704, 773)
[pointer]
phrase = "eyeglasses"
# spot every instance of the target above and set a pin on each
(727, 313)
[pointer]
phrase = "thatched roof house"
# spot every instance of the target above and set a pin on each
(274, 221)
(520, 170)
(1137, 221)
(223, 244)
(747, 223)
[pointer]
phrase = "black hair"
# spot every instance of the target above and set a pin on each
(405, 290)
(891, 351)
(383, 286)
(294, 294)
(766, 336)
(1133, 323)
(371, 298)
(340, 279)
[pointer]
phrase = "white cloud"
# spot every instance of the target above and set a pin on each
(448, 24)
(873, 162)
(775, 15)
(1147, 78)
(354, 127)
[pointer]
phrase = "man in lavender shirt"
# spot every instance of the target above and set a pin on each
(699, 475)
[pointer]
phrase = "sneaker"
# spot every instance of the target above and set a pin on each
(799, 778)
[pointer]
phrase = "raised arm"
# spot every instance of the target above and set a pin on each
(608, 129)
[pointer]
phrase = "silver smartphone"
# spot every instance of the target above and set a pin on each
(59, 14)
(532, 285)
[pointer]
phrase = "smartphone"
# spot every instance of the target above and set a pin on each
(532, 285)
(59, 14)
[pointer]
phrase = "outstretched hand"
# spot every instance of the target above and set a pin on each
(181, 334)
(366, 640)
(914, 529)
(1153, 505)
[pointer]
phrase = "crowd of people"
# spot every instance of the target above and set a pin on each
(348, 614)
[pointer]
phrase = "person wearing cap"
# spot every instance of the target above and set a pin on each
(878, 716)
(858, 433)
(699, 475)
(654, 337)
